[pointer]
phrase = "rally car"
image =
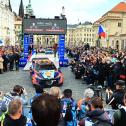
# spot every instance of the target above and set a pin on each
(43, 72)
(49, 51)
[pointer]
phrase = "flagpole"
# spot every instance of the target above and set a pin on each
(101, 33)
(99, 41)
(107, 40)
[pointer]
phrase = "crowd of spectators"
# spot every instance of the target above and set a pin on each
(96, 66)
(9, 58)
(54, 108)
(102, 66)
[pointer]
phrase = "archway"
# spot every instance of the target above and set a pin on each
(33, 27)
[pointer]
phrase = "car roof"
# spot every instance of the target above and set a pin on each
(40, 59)
(44, 62)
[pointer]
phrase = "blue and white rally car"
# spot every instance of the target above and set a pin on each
(43, 72)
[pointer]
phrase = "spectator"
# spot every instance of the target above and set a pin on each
(67, 96)
(30, 48)
(55, 91)
(69, 107)
(14, 116)
(3, 108)
(97, 115)
(115, 99)
(119, 117)
(11, 60)
(82, 103)
(17, 59)
(87, 46)
(46, 110)
(6, 60)
(9, 54)
(123, 70)
(1, 64)
(18, 93)
(117, 71)
(55, 47)
(88, 94)
(38, 92)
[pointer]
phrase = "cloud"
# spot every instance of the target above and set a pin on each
(75, 9)
(83, 10)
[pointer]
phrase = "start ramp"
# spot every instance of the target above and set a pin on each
(51, 57)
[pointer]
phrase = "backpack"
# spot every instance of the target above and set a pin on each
(122, 118)
(69, 112)
(89, 122)
(102, 123)
(8, 98)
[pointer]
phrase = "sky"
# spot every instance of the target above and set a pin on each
(75, 10)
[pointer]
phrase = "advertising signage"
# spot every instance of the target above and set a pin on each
(45, 26)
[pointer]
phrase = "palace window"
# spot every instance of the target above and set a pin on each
(119, 24)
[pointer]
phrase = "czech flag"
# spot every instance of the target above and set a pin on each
(101, 31)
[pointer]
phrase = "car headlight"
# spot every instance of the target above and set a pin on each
(57, 75)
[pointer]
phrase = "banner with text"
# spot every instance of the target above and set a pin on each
(45, 26)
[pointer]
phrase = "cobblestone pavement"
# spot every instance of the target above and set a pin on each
(9, 79)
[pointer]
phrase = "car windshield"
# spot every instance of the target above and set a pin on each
(49, 50)
(45, 67)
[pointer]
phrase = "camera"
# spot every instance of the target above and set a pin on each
(18, 89)
(22, 91)
(88, 106)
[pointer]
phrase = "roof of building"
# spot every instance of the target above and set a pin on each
(121, 7)
(117, 35)
(86, 23)
(72, 26)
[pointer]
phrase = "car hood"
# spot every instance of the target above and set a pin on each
(47, 74)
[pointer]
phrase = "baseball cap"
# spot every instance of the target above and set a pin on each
(120, 82)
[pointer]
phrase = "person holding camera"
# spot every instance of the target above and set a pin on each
(115, 99)
(82, 103)
(96, 116)
(18, 93)
(17, 59)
